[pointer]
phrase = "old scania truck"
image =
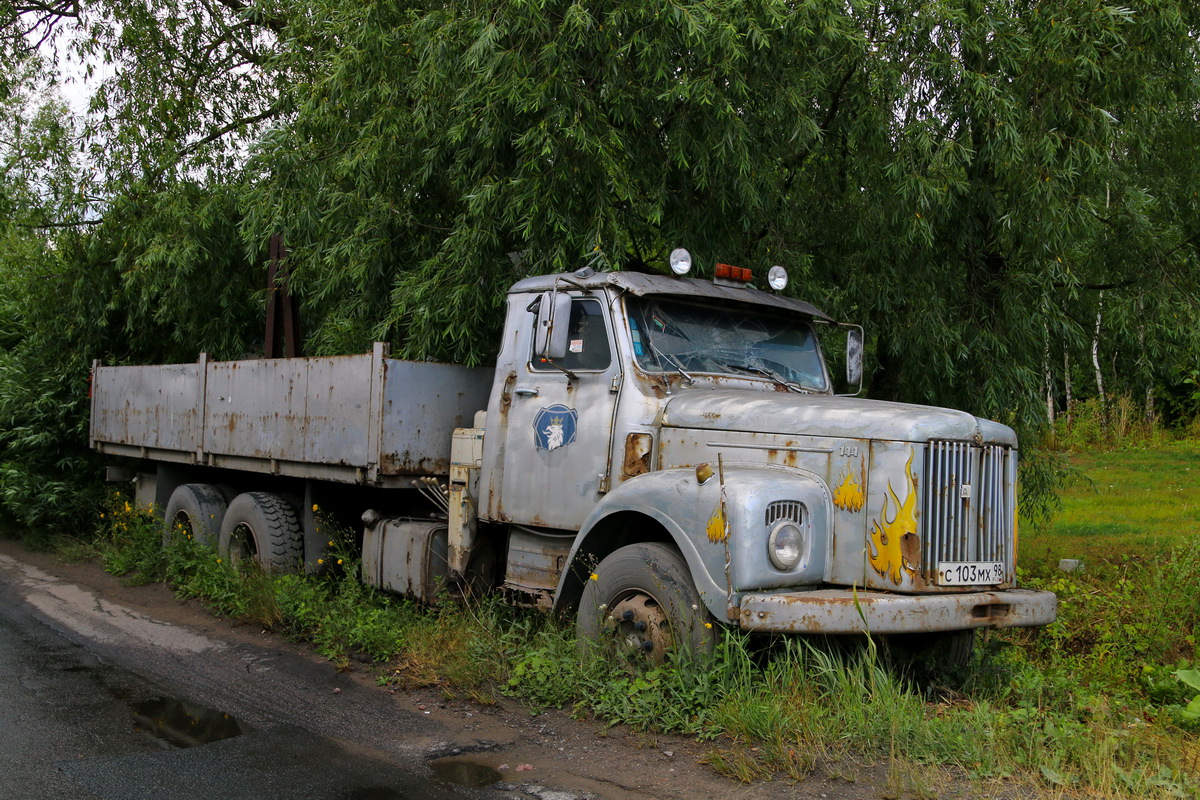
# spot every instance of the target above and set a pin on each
(658, 454)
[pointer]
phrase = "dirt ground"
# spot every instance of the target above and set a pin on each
(548, 755)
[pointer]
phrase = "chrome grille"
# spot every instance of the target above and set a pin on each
(785, 509)
(968, 497)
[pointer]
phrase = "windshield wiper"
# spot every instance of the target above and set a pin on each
(779, 380)
(661, 356)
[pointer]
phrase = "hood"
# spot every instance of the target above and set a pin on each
(822, 415)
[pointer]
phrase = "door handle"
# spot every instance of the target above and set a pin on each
(525, 391)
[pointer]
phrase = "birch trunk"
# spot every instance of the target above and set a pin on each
(1144, 362)
(1046, 374)
(1096, 364)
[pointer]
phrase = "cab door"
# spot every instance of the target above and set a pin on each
(557, 433)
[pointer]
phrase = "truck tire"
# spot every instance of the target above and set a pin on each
(195, 510)
(946, 651)
(642, 601)
(263, 526)
(953, 650)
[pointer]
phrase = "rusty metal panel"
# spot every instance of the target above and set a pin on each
(257, 408)
(821, 415)
(423, 403)
(535, 559)
(327, 411)
(152, 407)
(337, 411)
(846, 611)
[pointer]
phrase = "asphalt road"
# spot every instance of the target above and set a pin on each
(77, 724)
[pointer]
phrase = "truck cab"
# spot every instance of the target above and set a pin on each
(691, 427)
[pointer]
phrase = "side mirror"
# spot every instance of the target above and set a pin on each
(854, 357)
(550, 334)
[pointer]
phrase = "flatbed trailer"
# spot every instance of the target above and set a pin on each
(362, 419)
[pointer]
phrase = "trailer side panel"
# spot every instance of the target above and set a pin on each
(359, 419)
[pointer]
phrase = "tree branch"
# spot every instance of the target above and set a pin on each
(276, 24)
(272, 111)
(42, 225)
(1097, 287)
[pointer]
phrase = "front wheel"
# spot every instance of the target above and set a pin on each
(642, 601)
(944, 651)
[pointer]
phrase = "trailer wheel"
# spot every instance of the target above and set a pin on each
(641, 601)
(196, 511)
(264, 527)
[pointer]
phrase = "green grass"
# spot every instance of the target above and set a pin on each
(1132, 502)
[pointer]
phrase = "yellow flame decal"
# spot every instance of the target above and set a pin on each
(717, 527)
(889, 541)
(849, 495)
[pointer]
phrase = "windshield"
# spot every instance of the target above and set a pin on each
(672, 335)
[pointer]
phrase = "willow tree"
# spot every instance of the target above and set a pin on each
(962, 177)
(118, 231)
(955, 175)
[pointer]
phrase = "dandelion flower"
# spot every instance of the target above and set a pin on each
(316, 507)
(339, 561)
(320, 561)
(595, 577)
(708, 625)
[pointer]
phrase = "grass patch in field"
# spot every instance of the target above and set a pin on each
(1122, 502)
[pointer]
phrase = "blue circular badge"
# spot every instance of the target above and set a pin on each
(554, 427)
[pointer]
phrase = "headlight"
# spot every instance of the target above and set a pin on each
(785, 545)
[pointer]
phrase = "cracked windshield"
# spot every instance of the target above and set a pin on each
(686, 337)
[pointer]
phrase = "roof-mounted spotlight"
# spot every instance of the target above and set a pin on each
(777, 278)
(681, 261)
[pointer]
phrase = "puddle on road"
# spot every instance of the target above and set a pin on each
(184, 724)
(465, 772)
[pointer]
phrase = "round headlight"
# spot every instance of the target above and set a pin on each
(681, 261)
(777, 278)
(785, 545)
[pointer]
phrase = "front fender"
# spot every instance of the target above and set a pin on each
(687, 511)
(679, 504)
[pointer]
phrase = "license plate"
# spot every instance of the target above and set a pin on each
(970, 573)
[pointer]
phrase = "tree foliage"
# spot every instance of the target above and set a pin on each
(965, 178)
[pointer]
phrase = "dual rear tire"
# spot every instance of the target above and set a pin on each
(263, 526)
(258, 525)
(195, 511)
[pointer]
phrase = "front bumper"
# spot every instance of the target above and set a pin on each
(848, 611)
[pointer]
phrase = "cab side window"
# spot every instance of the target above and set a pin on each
(587, 346)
